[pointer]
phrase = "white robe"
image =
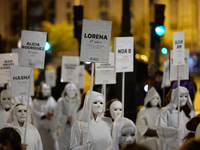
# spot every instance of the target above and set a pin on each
(32, 136)
(99, 134)
(62, 111)
(46, 128)
(170, 134)
(3, 116)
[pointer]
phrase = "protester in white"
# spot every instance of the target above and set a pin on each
(113, 109)
(124, 133)
(170, 132)
(5, 105)
(98, 135)
(66, 104)
(17, 119)
(42, 110)
(146, 120)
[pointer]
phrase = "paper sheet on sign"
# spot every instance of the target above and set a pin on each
(20, 81)
(81, 83)
(50, 77)
(178, 48)
(32, 52)
(184, 69)
(7, 60)
(124, 54)
(70, 69)
(165, 80)
(105, 72)
(95, 43)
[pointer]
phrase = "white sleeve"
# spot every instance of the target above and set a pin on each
(60, 118)
(39, 141)
(36, 112)
(170, 135)
(141, 123)
(75, 139)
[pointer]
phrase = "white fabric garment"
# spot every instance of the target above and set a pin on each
(63, 110)
(46, 128)
(118, 125)
(33, 139)
(170, 134)
(146, 119)
(3, 116)
(99, 130)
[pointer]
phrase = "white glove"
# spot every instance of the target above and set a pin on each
(87, 145)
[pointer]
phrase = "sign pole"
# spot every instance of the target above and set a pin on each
(123, 83)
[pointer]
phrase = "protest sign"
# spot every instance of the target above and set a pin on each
(50, 77)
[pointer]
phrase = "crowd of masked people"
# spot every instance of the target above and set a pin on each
(85, 121)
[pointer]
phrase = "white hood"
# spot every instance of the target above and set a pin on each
(150, 95)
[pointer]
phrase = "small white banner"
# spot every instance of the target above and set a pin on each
(20, 81)
(95, 43)
(32, 52)
(7, 60)
(178, 48)
(81, 83)
(166, 81)
(184, 69)
(124, 54)
(70, 69)
(50, 77)
(105, 72)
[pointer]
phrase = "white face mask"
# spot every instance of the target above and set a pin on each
(154, 101)
(46, 90)
(183, 99)
(20, 112)
(127, 136)
(6, 99)
(71, 92)
(116, 109)
(97, 106)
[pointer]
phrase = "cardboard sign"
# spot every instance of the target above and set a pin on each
(7, 60)
(81, 83)
(124, 54)
(20, 77)
(32, 52)
(50, 77)
(166, 81)
(95, 42)
(178, 48)
(184, 69)
(105, 72)
(70, 69)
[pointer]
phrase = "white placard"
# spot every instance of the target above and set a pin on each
(178, 48)
(95, 43)
(50, 77)
(81, 83)
(7, 60)
(184, 69)
(105, 72)
(70, 69)
(32, 52)
(20, 81)
(165, 80)
(15, 50)
(124, 54)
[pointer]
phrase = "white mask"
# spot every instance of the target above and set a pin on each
(97, 106)
(6, 99)
(183, 99)
(116, 109)
(70, 89)
(46, 90)
(127, 136)
(154, 101)
(20, 112)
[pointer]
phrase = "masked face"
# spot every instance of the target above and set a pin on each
(97, 106)
(183, 99)
(46, 90)
(6, 99)
(127, 136)
(116, 109)
(71, 91)
(20, 112)
(154, 101)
